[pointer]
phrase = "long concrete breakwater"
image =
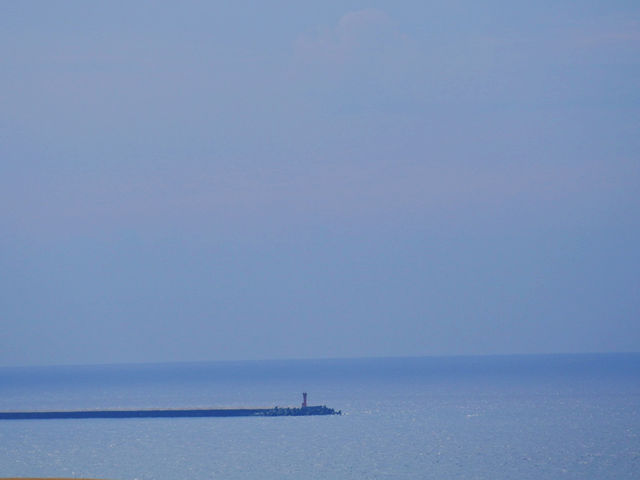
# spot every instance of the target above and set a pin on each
(172, 413)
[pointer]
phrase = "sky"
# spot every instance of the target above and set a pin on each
(204, 181)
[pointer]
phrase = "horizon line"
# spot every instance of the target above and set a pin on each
(317, 359)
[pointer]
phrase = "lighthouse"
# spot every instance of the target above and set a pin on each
(304, 400)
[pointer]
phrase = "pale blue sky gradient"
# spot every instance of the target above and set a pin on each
(248, 180)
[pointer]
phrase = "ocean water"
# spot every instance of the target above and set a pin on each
(510, 417)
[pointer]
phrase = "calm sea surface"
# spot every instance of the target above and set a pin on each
(512, 417)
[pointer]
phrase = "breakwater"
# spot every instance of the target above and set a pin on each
(172, 413)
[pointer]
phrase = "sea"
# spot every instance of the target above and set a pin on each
(487, 417)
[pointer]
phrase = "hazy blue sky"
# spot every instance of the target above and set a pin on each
(286, 179)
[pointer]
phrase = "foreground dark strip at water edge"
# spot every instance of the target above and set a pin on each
(172, 413)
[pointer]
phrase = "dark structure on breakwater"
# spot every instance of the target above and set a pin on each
(304, 410)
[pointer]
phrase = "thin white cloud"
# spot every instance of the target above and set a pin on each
(358, 34)
(616, 32)
(363, 61)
